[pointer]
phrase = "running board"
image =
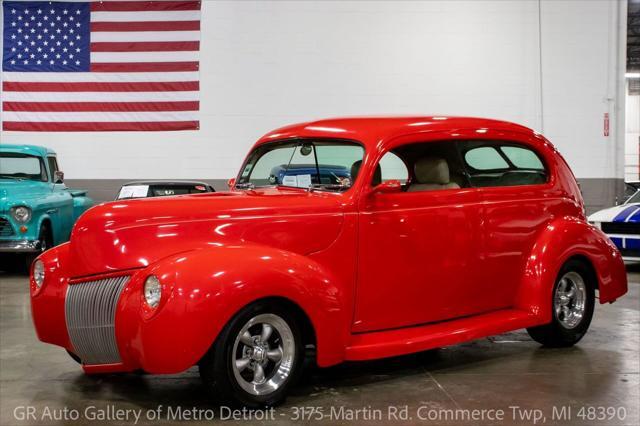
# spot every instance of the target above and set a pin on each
(383, 344)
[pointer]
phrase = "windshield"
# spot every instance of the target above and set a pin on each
(634, 199)
(21, 166)
(321, 164)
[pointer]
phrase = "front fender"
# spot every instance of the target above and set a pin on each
(203, 289)
(561, 240)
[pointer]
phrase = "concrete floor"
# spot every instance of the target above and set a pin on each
(496, 373)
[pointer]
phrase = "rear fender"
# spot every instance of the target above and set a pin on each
(561, 240)
(203, 289)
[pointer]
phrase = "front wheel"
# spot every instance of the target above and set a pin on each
(573, 304)
(45, 241)
(256, 358)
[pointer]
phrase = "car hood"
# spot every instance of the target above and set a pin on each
(129, 234)
(622, 213)
(13, 192)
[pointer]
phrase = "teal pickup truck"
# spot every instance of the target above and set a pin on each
(37, 210)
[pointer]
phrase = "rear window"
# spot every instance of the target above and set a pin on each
(502, 164)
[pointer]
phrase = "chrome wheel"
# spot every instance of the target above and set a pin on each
(263, 354)
(570, 300)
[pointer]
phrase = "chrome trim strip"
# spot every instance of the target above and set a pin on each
(90, 311)
(21, 246)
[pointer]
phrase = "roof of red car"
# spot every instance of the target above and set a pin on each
(372, 129)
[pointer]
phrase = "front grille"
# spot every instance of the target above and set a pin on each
(630, 252)
(5, 228)
(621, 228)
(90, 312)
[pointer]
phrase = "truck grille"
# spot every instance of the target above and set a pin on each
(621, 228)
(5, 228)
(90, 312)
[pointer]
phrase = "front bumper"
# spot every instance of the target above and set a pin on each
(19, 246)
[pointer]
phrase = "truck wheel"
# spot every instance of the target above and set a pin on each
(46, 242)
(573, 303)
(256, 358)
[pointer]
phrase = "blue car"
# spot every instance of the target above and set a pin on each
(37, 210)
(304, 174)
(622, 225)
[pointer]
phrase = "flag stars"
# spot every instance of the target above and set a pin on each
(39, 38)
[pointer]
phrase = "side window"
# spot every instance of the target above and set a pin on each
(53, 165)
(502, 164)
(393, 168)
(485, 158)
(425, 166)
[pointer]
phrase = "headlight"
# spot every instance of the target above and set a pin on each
(38, 273)
(21, 214)
(152, 291)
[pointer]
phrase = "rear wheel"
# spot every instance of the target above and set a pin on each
(256, 358)
(573, 304)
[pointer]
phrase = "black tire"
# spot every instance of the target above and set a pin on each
(217, 367)
(557, 333)
(75, 357)
(46, 242)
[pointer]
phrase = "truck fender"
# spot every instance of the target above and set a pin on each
(560, 240)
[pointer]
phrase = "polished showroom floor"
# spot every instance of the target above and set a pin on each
(496, 373)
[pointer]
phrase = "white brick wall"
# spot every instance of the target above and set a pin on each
(266, 64)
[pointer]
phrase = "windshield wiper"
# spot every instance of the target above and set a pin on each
(246, 185)
(12, 177)
(328, 186)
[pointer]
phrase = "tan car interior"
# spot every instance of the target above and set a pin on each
(431, 173)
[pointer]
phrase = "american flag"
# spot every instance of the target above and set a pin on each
(100, 66)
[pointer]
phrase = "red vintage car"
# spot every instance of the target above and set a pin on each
(444, 230)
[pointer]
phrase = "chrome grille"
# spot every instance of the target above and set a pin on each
(90, 312)
(5, 228)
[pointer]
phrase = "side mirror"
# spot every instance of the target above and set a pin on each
(231, 183)
(388, 187)
(58, 177)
